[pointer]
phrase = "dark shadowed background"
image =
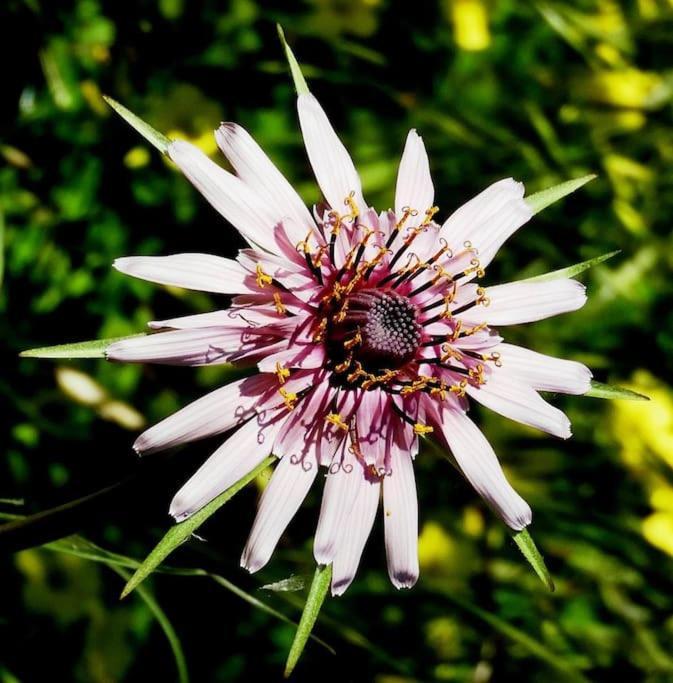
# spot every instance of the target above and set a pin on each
(539, 91)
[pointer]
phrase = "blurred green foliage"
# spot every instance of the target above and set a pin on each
(542, 91)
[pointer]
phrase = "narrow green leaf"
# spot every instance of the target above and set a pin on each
(599, 390)
(180, 532)
(572, 271)
(529, 550)
(154, 137)
(295, 70)
(86, 349)
(292, 583)
(541, 200)
(314, 601)
(164, 622)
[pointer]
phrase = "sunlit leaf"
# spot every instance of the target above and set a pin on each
(164, 622)
(86, 349)
(572, 271)
(154, 137)
(292, 583)
(529, 550)
(541, 200)
(599, 390)
(314, 601)
(295, 70)
(180, 532)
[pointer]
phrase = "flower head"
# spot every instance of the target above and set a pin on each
(368, 330)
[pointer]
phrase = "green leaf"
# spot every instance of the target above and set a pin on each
(295, 70)
(572, 271)
(599, 390)
(86, 349)
(164, 622)
(314, 601)
(541, 200)
(180, 532)
(154, 137)
(529, 550)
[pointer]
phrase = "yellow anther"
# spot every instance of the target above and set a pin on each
(429, 213)
(320, 332)
(459, 389)
(440, 391)
(282, 373)
(481, 297)
(280, 307)
(289, 398)
(337, 421)
(262, 278)
(342, 367)
(422, 429)
(353, 341)
(350, 203)
(477, 374)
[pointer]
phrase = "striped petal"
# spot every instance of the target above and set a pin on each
(228, 195)
(414, 184)
(211, 414)
(202, 272)
(524, 302)
(481, 468)
(331, 163)
(488, 219)
(289, 485)
(203, 346)
(507, 395)
(356, 532)
(400, 514)
(545, 373)
(258, 172)
(237, 456)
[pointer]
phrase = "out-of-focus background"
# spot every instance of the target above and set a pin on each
(541, 91)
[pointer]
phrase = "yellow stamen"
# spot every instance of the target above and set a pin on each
(282, 373)
(422, 429)
(262, 278)
(289, 398)
(280, 307)
(337, 421)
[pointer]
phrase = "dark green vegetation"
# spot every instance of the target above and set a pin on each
(537, 91)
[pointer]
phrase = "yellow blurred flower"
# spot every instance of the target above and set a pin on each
(470, 24)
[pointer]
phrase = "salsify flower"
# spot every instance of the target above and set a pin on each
(368, 330)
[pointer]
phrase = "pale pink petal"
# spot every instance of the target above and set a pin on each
(355, 533)
(545, 373)
(228, 195)
(488, 219)
(414, 183)
(507, 395)
(257, 171)
(211, 414)
(481, 468)
(203, 346)
(202, 272)
(523, 302)
(400, 513)
(237, 456)
(339, 494)
(331, 163)
(303, 356)
(290, 483)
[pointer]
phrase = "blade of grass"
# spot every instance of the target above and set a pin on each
(316, 596)
(529, 550)
(599, 390)
(541, 200)
(154, 137)
(572, 271)
(164, 623)
(94, 348)
(180, 532)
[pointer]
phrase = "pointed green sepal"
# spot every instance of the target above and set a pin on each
(181, 532)
(529, 550)
(316, 596)
(295, 70)
(541, 200)
(86, 349)
(572, 271)
(154, 137)
(599, 390)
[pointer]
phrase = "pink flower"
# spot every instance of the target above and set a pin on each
(367, 329)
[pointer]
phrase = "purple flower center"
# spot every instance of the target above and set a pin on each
(379, 329)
